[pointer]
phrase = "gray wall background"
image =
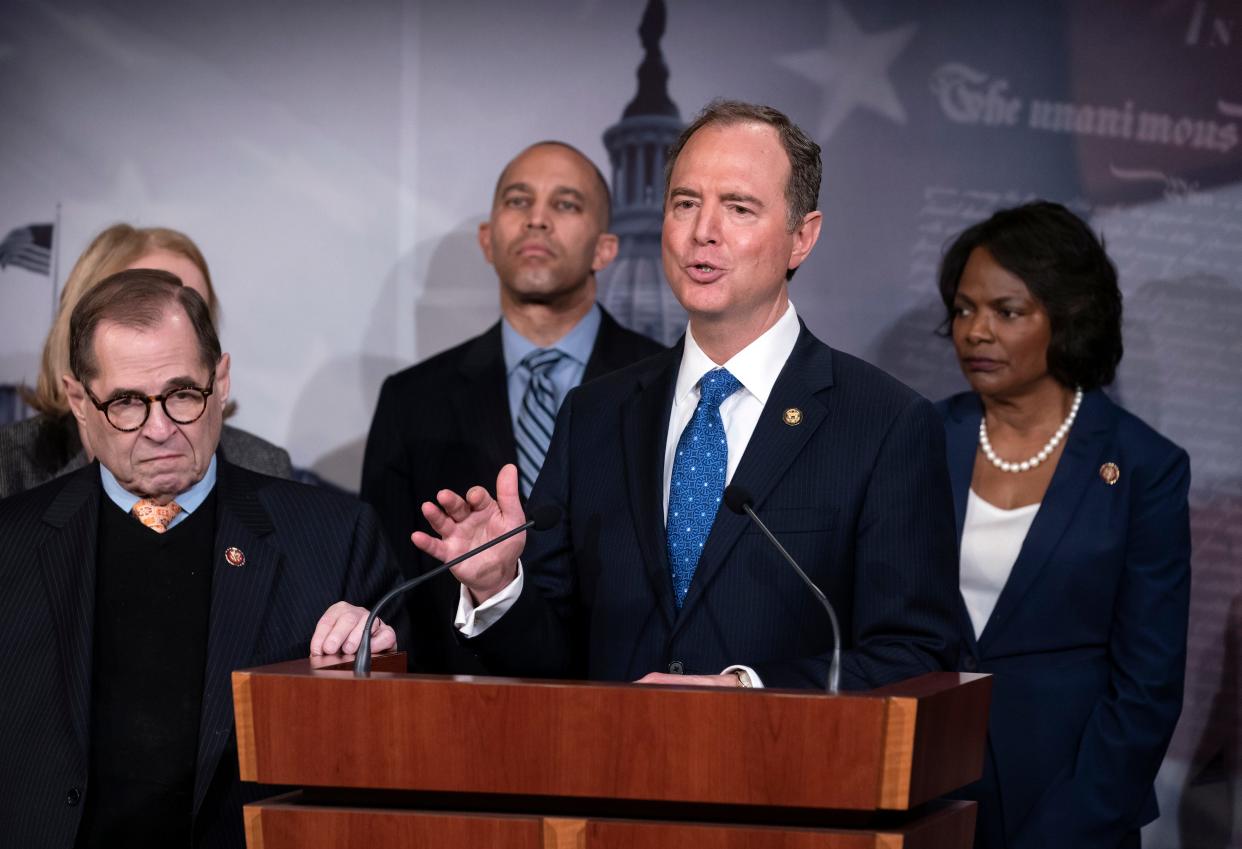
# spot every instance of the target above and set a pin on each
(333, 160)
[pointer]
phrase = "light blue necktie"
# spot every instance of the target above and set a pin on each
(537, 416)
(698, 479)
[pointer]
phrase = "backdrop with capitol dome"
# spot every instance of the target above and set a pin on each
(333, 161)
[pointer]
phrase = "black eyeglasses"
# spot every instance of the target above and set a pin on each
(183, 405)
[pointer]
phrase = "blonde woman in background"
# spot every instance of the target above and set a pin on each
(49, 445)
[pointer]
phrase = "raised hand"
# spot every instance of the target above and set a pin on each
(466, 523)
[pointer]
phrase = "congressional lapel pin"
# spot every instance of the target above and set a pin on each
(234, 556)
(1110, 474)
(793, 417)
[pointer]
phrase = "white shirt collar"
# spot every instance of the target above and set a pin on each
(756, 366)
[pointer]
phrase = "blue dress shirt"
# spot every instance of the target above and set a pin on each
(189, 501)
(577, 345)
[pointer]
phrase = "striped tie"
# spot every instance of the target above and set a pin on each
(537, 416)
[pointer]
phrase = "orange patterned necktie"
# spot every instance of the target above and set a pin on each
(155, 516)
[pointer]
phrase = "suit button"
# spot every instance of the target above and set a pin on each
(969, 663)
(73, 797)
(676, 667)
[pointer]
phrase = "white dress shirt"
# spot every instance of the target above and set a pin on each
(756, 367)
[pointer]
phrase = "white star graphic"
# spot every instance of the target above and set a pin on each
(852, 67)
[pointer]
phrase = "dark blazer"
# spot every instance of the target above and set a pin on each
(305, 548)
(1087, 642)
(38, 449)
(445, 424)
(857, 491)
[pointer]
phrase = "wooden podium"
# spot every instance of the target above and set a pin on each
(431, 761)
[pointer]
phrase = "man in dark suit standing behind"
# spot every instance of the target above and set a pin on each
(649, 575)
(132, 588)
(455, 418)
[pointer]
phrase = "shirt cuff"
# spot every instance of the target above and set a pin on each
(755, 680)
(471, 621)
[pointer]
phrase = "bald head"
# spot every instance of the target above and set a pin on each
(602, 197)
(547, 234)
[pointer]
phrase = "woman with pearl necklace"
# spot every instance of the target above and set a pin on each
(1074, 536)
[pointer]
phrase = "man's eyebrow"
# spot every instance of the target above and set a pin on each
(182, 381)
(571, 191)
(179, 382)
(682, 191)
(516, 187)
(738, 197)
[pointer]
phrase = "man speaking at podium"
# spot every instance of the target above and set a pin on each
(131, 589)
(648, 576)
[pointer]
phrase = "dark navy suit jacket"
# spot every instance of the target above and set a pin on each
(1087, 642)
(305, 549)
(445, 424)
(857, 491)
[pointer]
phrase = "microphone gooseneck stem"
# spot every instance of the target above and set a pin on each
(834, 669)
(362, 660)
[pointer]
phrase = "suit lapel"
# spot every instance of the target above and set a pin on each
(67, 564)
(1076, 471)
(773, 446)
(480, 401)
(644, 425)
(961, 447)
(239, 602)
(607, 354)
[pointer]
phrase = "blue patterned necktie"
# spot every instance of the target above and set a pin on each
(698, 479)
(537, 415)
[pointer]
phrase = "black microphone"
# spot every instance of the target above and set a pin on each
(738, 500)
(542, 518)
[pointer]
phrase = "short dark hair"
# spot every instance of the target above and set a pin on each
(599, 175)
(806, 169)
(1065, 267)
(139, 298)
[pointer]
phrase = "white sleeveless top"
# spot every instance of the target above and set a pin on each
(991, 540)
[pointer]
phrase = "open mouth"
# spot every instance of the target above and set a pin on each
(704, 272)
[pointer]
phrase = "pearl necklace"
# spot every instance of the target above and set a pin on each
(1044, 453)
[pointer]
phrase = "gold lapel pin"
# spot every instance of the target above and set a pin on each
(234, 556)
(793, 417)
(1110, 474)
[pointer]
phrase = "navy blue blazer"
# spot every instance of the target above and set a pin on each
(305, 549)
(857, 491)
(1087, 642)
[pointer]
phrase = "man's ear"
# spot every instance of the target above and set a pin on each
(76, 395)
(805, 237)
(485, 240)
(223, 383)
(606, 245)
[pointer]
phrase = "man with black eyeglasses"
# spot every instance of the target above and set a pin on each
(132, 588)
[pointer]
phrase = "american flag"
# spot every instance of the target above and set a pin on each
(28, 247)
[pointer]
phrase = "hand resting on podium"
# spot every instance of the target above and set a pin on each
(340, 630)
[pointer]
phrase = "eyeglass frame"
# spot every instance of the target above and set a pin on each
(147, 400)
